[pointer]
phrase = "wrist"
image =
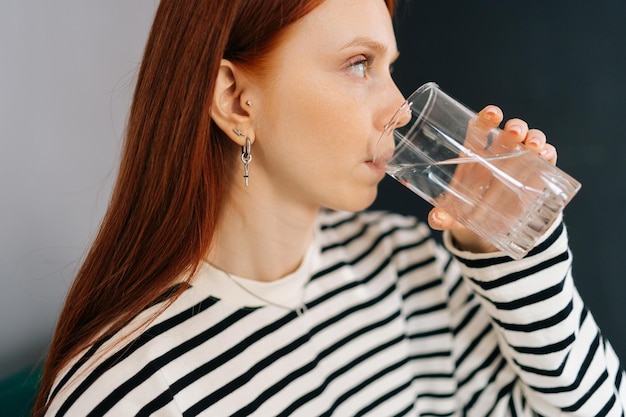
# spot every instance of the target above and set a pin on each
(467, 241)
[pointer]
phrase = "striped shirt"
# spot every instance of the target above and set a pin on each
(394, 325)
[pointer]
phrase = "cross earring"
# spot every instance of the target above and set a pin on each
(246, 155)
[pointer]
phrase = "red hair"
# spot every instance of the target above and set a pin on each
(172, 176)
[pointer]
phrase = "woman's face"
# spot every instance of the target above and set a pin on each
(322, 111)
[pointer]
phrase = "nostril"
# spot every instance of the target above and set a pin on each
(400, 118)
(405, 114)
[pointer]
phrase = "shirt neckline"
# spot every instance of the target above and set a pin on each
(287, 291)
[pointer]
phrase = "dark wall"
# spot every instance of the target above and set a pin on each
(561, 66)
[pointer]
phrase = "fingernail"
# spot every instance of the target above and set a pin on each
(515, 129)
(490, 114)
(436, 219)
(533, 142)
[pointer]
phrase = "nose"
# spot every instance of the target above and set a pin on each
(401, 117)
(397, 112)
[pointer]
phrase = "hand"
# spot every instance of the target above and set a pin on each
(514, 129)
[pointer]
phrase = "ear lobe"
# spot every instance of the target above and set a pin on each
(226, 109)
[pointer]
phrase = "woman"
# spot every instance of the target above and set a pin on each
(219, 286)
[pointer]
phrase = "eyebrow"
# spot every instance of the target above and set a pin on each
(372, 44)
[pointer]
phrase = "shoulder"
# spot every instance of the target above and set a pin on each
(367, 231)
(123, 372)
(342, 223)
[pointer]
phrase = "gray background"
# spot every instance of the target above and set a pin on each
(67, 70)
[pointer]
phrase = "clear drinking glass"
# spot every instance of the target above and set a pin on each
(494, 186)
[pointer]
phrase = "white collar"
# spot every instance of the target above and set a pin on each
(287, 291)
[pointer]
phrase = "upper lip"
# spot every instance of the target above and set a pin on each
(381, 158)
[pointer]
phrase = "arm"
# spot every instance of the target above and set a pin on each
(539, 347)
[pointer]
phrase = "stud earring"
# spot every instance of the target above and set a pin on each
(249, 103)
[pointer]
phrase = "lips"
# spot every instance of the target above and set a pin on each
(380, 161)
(384, 148)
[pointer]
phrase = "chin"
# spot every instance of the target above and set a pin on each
(356, 202)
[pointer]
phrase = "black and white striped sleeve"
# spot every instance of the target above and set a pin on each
(525, 342)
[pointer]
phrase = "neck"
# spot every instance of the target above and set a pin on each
(261, 238)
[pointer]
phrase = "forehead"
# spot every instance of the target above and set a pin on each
(342, 23)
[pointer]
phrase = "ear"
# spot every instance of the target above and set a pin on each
(228, 110)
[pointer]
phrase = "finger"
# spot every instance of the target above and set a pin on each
(491, 115)
(535, 140)
(548, 152)
(517, 129)
(464, 239)
(439, 219)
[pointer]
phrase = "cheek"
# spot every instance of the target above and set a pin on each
(332, 120)
(314, 119)
(320, 108)
(316, 128)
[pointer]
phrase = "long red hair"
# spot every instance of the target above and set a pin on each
(172, 176)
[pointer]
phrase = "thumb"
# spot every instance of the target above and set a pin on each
(439, 219)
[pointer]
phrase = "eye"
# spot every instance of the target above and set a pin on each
(359, 65)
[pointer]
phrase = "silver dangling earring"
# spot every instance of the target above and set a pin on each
(246, 155)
